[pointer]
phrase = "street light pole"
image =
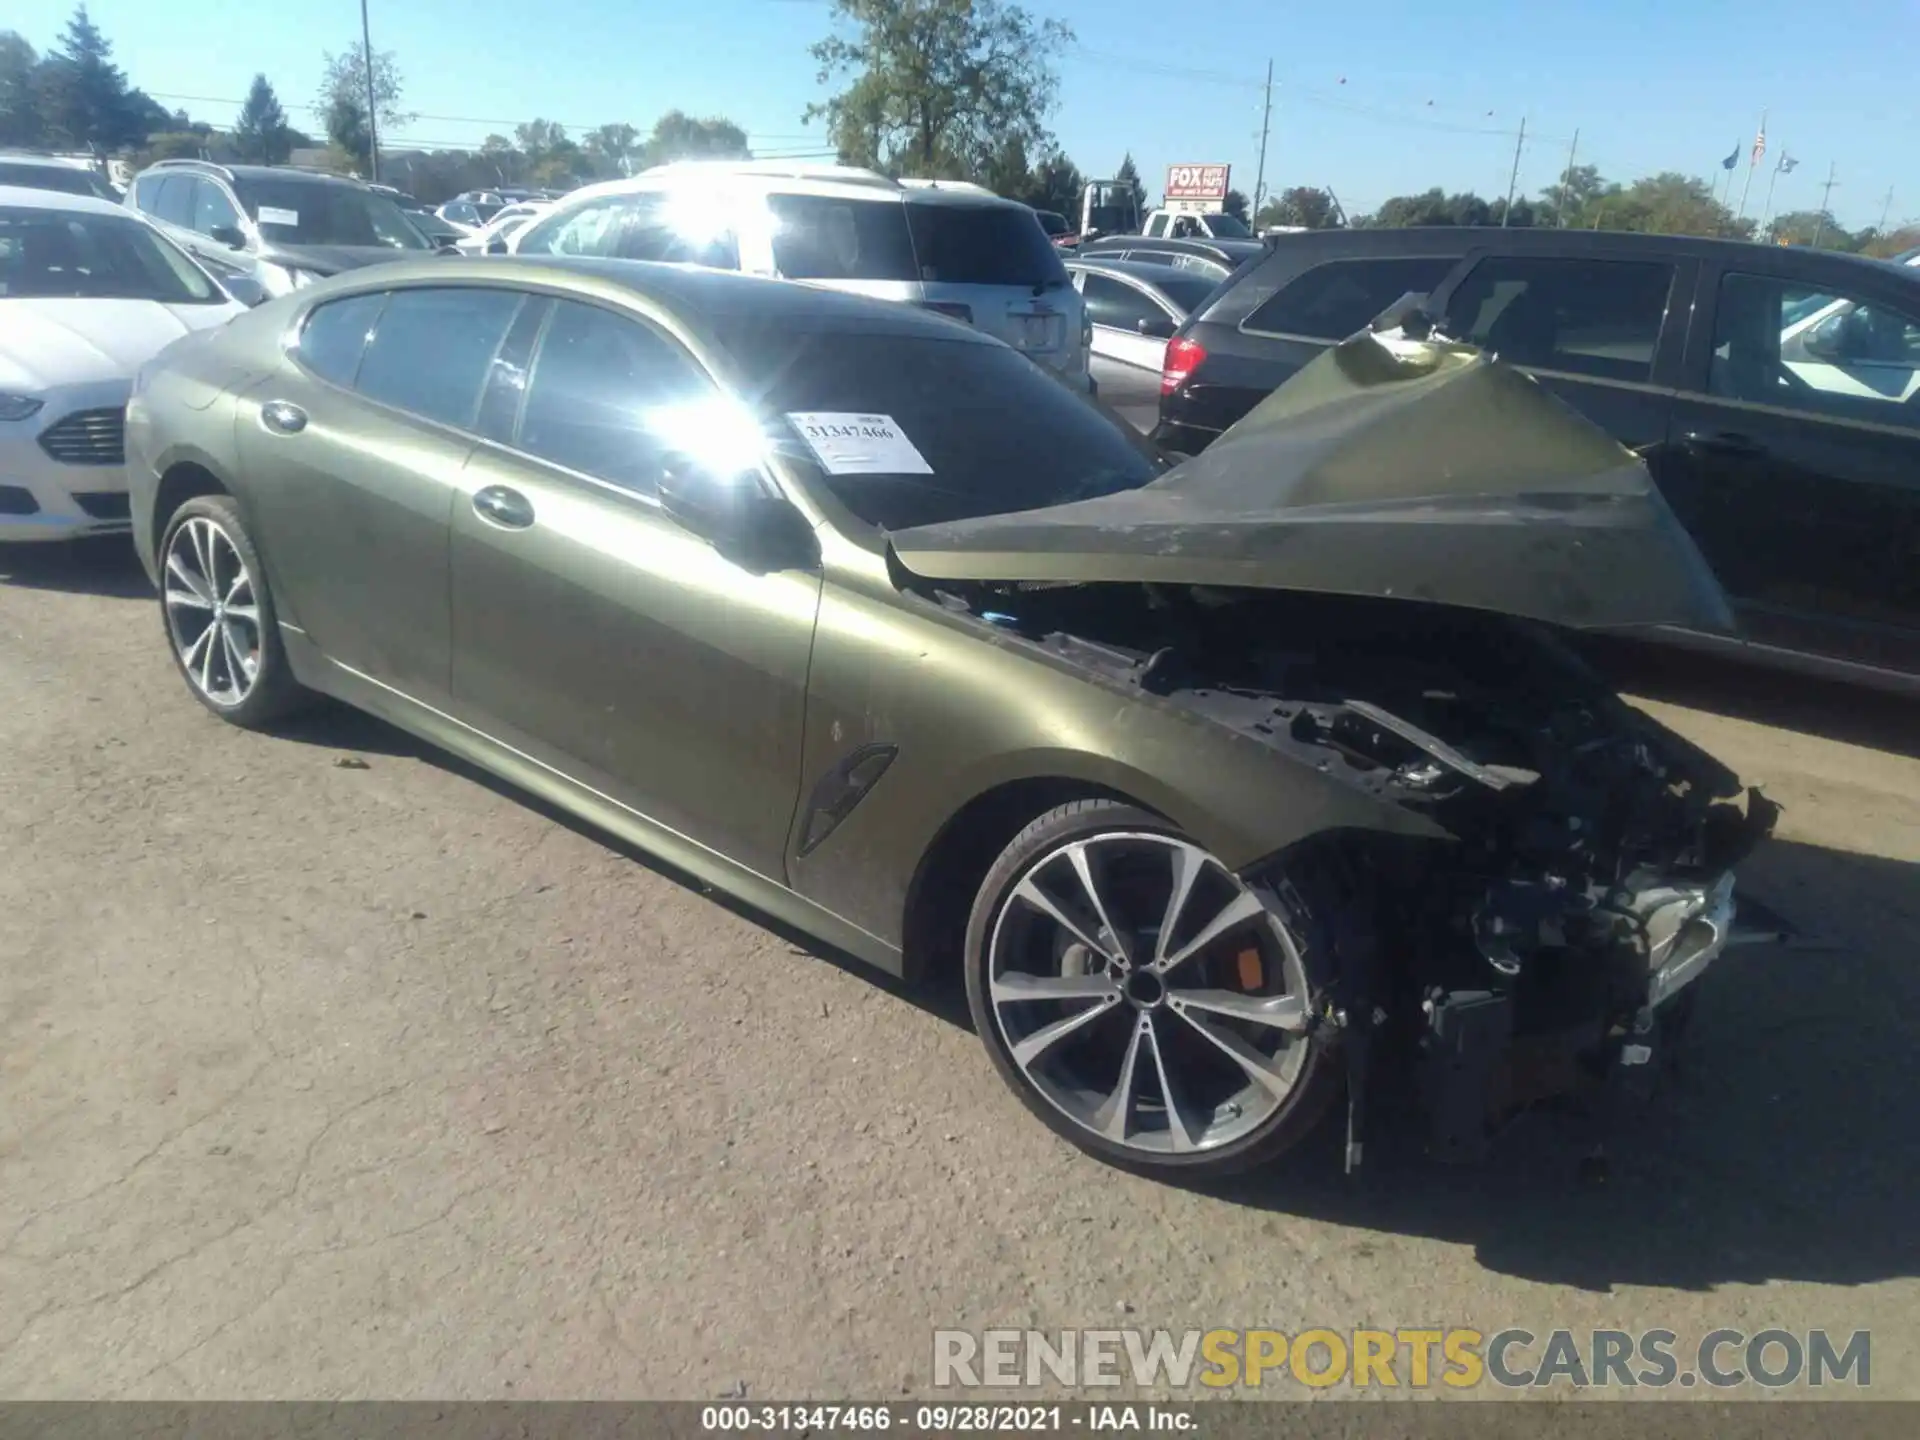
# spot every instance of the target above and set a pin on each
(1826, 199)
(373, 119)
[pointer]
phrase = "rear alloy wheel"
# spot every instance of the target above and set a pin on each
(1142, 999)
(219, 616)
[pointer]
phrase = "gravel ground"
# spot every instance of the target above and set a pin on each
(331, 1069)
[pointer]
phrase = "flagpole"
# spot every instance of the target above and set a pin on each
(1753, 161)
(1772, 180)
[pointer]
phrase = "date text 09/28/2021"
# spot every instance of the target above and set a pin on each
(944, 1419)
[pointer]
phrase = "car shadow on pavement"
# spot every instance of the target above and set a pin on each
(1787, 700)
(103, 565)
(1785, 1148)
(335, 726)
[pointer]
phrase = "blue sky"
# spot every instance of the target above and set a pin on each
(1373, 99)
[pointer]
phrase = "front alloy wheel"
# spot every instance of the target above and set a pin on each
(1146, 1002)
(219, 616)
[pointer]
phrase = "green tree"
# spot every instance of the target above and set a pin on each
(1129, 173)
(678, 136)
(1573, 196)
(1235, 205)
(612, 149)
(20, 122)
(260, 134)
(83, 96)
(936, 87)
(1810, 227)
(1669, 204)
(1303, 205)
(342, 101)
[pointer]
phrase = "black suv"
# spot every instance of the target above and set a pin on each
(1774, 392)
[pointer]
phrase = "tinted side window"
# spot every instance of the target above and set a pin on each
(1332, 301)
(1826, 354)
(1118, 306)
(146, 193)
(819, 238)
(652, 225)
(335, 336)
(212, 209)
(432, 348)
(1589, 317)
(595, 377)
(174, 201)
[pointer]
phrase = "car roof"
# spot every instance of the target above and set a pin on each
(1238, 247)
(1146, 270)
(690, 291)
(22, 197)
(838, 182)
(52, 162)
(1522, 239)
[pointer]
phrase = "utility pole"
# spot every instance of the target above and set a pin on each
(373, 119)
(1513, 178)
(1885, 210)
(1826, 198)
(1266, 122)
(1566, 182)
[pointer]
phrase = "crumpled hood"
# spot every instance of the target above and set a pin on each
(48, 342)
(1388, 468)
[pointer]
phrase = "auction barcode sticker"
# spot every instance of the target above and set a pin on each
(271, 216)
(848, 444)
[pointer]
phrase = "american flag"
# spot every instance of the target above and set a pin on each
(1760, 143)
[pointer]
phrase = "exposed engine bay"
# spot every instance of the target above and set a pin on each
(1545, 947)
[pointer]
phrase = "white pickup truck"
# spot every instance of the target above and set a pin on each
(1194, 225)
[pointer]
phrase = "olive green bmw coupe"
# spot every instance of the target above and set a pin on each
(1219, 781)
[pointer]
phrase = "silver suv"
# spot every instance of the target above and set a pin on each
(957, 250)
(273, 226)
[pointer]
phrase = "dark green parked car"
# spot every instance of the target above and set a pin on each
(1216, 781)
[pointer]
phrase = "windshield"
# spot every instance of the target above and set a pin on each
(997, 433)
(1228, 227)
(293, 212)
(64, 179)
(1052, 223)
(982, 245)
(67, 254)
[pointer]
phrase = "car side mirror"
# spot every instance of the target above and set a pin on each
(230, 236)
(496, 246)
(736, 513)
(446, 247)
(1835, 339)
(1157, 327)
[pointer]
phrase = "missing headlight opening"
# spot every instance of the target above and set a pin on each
(1540, 943)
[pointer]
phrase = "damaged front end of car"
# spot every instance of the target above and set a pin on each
(1373, 579)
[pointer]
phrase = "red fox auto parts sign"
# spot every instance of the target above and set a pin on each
(1197, 182)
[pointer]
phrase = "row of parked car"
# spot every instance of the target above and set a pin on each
(1774, 392)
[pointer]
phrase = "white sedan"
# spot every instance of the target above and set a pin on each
(89, 292)
(492, 238)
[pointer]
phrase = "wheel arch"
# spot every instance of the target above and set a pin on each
(957, 856)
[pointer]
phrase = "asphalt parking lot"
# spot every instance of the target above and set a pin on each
(331, 1069)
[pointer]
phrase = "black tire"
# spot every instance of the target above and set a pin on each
(1318, 1082)
(274, 693)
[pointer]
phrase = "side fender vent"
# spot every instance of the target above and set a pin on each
(844, 786)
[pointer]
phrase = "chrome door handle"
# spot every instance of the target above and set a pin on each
(283, 418)
(502, 506)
